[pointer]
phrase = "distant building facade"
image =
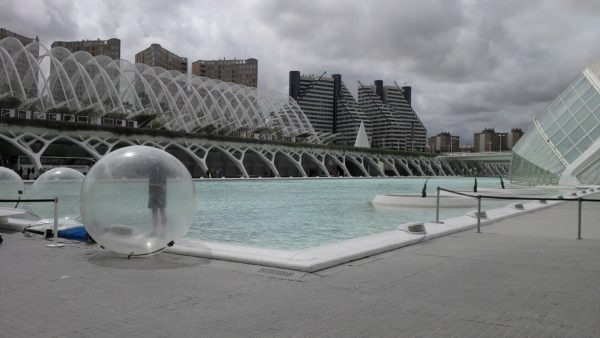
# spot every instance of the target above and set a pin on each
(485, 140)
(389, 119)
(244, 72)
(490, 140)
(444, 143)
(328, 104)
(110, 47)
(4, 33)
(392, 122)
(513, 137)
(157, 56)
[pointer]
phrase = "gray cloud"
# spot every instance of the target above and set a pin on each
(472, 64)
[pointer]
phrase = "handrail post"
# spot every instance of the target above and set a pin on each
(579, 202)
(55, 243)
(55, 219)
(478, 214)
(437, 206)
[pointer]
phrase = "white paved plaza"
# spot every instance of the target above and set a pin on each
(525, 276)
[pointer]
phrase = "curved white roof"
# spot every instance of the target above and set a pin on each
(44, 79)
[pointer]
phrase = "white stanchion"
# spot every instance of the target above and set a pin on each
(56, 244)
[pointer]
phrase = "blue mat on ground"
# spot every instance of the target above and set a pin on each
(76, 233)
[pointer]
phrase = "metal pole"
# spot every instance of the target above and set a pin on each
(579, 202)
(500, 142)
(479, 214)
(55, 240)
(437, 206)
(55, 219)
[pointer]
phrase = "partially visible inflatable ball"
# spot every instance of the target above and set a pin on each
(11, 187)
(64, 183)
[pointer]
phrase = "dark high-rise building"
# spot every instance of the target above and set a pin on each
(110, 47)
(156, 56)
(244, 72)
(389, 119)
(392, 122)
(328, 104)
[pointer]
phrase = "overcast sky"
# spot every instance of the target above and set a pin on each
(472, 64)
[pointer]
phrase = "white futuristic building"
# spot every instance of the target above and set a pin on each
(563, 146)
(100, 86)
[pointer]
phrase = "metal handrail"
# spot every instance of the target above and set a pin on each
(479, 197)
(29, 200)
(40, 200)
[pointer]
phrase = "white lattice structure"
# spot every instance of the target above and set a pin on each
(99, 86)
(241, 158)
(563, 145)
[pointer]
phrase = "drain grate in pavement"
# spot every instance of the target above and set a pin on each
(277, 272)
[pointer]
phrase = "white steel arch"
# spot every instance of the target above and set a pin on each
(80, 83)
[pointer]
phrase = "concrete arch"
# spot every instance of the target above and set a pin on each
(222, 165)
(188, 160)
(402, 163)
(339, 164)
(34, 141)
(291, 160)
(428, 170)
(403, 169)
(389, 166)
(24, 150)
(319, 165)
(449, 170)
(414, 164)
(437, 168)
(84, 151)
(200, 161)
(358, 164)
(373, 165)
(122, 144)
(270, 165)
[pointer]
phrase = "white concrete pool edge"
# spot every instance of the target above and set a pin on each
(325, 256)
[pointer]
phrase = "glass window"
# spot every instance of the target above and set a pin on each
(576, 105)
(564, 146)
(557, 137)
(582, 86)
(590, 175)
(569, 97)
(561, 110)
(589, 93)
(595, 134)
(563, 118)
(576, 134)
(569, 125)
(584, 144)
(545, 123)
(589, 123)
(572, 155)
(594, 101)
(580, 80)
(554, 106)
(582, 113)
(551, 129)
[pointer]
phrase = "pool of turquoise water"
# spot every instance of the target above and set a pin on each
(296, 214)
(292, 214)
